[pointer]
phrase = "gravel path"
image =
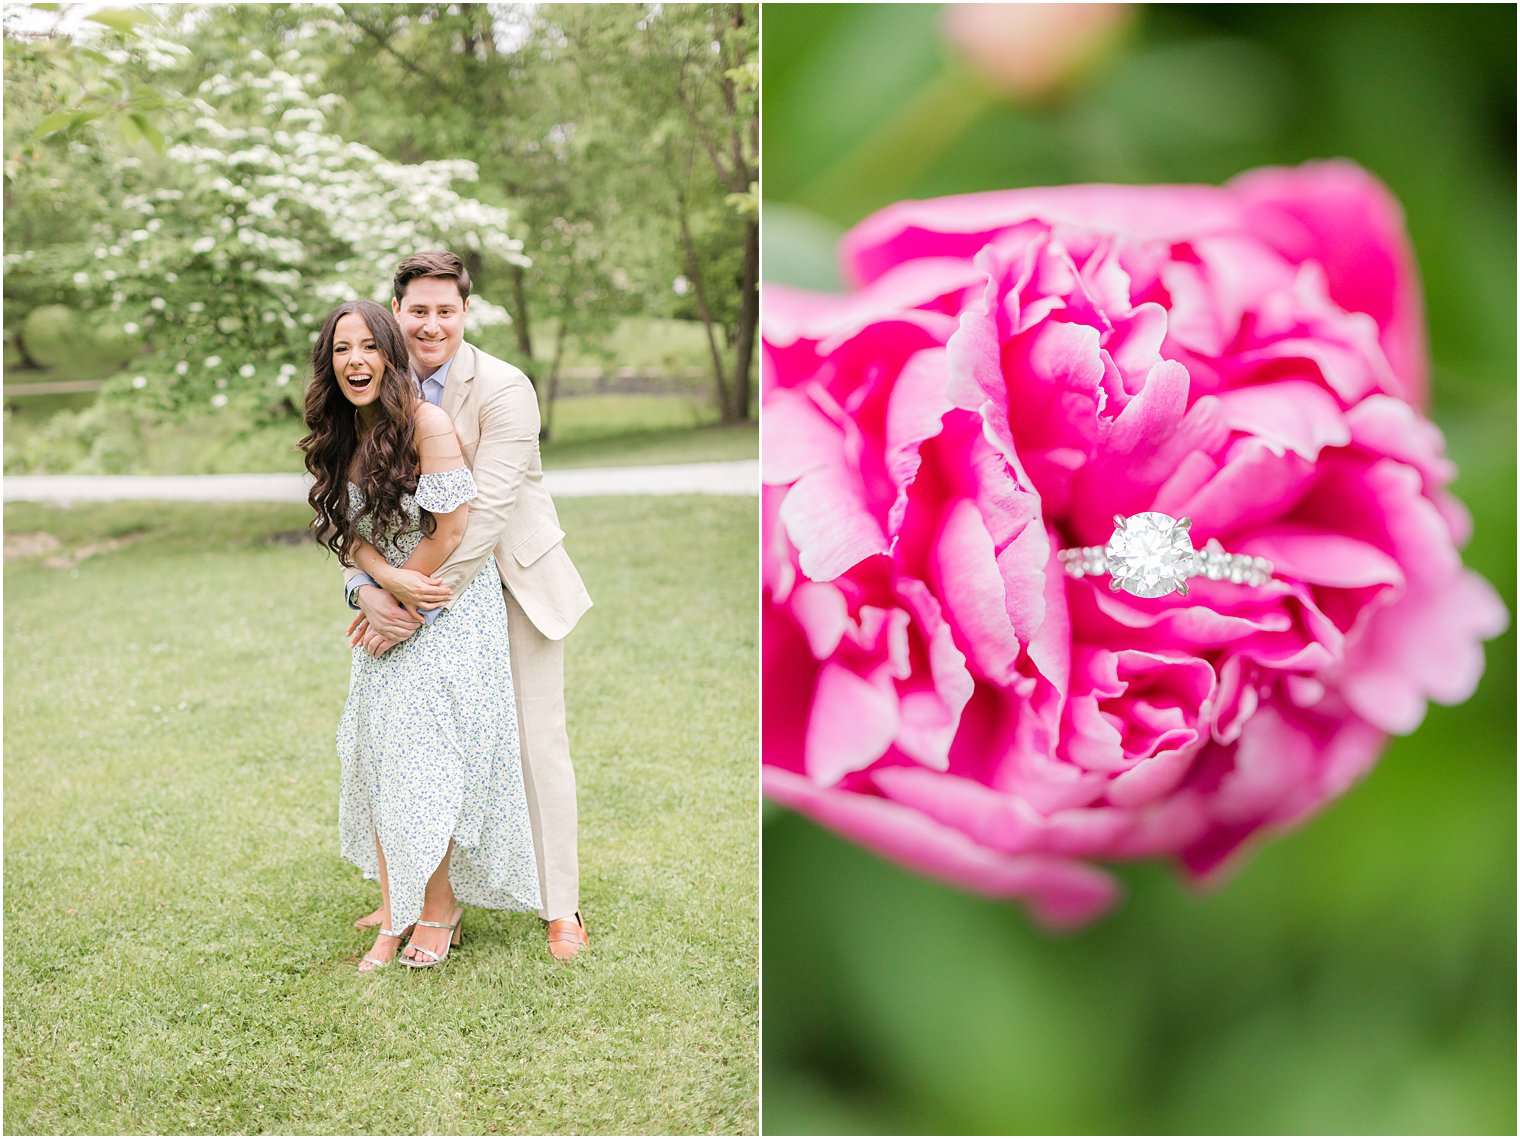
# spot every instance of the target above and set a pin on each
(576, 482)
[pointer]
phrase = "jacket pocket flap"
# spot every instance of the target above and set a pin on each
(537, 544)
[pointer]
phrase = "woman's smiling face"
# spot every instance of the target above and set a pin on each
(357, 360)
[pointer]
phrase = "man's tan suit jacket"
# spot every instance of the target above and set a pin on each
(495, 414)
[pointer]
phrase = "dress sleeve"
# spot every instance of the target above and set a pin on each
(444, 491)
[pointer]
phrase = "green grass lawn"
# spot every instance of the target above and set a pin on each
(179, 953)
(648, 440)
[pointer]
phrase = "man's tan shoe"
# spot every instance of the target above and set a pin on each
(567, 937)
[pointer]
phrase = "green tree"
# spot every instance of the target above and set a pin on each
(589, 164)
(74, 112)
(449, 69)
(675, 107)
(224, 252)
(572, 116)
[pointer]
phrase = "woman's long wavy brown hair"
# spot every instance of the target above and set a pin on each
(387, 465)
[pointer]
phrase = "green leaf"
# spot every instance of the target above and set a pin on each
(57, 121)
(147, 98)
(149, 132)
(746, 204)
(123, 20)
(63, 120)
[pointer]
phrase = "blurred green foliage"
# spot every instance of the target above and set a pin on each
(57, 335)
(641, 417)
(1355, 977)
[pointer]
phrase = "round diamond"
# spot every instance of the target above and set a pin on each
(1150, 554)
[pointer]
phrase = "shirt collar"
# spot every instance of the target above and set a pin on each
(440, 376)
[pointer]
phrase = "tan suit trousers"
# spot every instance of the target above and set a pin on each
(538, 675)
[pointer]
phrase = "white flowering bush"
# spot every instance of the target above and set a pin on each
(223, 254)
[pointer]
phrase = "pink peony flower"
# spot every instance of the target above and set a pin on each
(1013, 370)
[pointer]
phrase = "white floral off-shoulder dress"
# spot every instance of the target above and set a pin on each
(429, 744)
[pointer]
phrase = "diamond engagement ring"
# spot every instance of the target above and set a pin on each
(1151, 555)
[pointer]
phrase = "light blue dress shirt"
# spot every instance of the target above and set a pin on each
(432, 391)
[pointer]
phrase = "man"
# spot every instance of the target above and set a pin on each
(495, 414)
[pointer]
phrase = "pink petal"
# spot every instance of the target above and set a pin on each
(823, 614)
(1337, 214)
(915, 413)
(789, 676)
(1061, 892)
(1142, 448)
(798, 437)
(1293, 416)
(958, 227)
(930, 718)
(1252, 487)
(849, 726)
(1150, 780)
(1427, 645)
(1390, 427)
(825, 513)
(1049, 646)
(1321, 557)
(796, 314)
(971, 588)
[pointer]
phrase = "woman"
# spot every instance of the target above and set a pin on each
(432, 801)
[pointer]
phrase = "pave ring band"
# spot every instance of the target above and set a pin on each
(1151, 555)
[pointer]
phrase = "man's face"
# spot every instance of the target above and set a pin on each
(431, 315)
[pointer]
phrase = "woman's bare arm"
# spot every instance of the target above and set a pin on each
(438, 448)
(411, 583)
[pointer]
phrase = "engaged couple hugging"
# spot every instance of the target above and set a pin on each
(457, 785)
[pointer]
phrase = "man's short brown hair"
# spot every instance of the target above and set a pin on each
(438, 263)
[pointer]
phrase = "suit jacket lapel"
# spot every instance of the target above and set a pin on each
(461, 373)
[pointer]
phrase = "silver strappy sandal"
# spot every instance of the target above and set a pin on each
(376, 962)
(453, 941)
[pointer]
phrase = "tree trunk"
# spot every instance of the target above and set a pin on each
(19, 343)
(694, 268)
(520, 319)
(551, 387)
(749, 320)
